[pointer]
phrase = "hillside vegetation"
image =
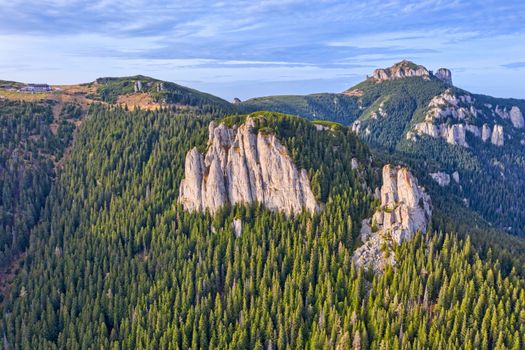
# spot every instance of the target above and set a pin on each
(164, 93)
(32, 141)
(116, 263)
(335, 107)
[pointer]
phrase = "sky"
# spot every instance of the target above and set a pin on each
(256, 48)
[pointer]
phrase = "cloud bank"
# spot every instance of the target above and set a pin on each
(246, 48)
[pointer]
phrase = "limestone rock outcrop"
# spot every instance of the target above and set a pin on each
(444, 74)
(450, 116)
(516, 117)
(400, 70)
(406, 68)
(449, 104)
(243, 167)
(486, 133)
(497, 135)
(443, 179)
(405, 209)
(237, 227)
(453, 134)
(473, 129)
(138, 86)
(455, 176)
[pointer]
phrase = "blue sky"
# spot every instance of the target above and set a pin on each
(254, 48)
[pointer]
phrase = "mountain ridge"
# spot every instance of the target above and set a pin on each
(410, 113)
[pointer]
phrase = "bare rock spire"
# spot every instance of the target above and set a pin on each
(243, 167)
(405, 209)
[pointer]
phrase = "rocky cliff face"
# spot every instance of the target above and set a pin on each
(450, 116)
(453, 134)
(243, 167)
(405, 209)
(445, 75)
(516, 117)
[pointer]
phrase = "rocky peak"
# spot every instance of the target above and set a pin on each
(405, 209)
(400, 70)
(243, 167)
(407, 68)
(444, 75)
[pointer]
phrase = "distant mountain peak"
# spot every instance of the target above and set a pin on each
(407, 68)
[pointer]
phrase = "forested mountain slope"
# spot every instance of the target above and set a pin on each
(472, 145)
(37, 128)
(339, 108)
(115, 262)
(33, 139)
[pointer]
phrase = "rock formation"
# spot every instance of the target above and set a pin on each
(354, 163)
(405, 209)
(321, 127)
(444, 74)
(455, 176)
(514, 114)
(453, 134)
(443, 179)
(138, 86)
(448, 104)
(449, 116)
(473, 129)
(237, 227)
(406, 68)
(497, 135)
(243, 167)
(401, 70)
(486, 132)
(516, 117)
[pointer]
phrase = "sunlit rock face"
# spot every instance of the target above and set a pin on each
(243, 167)
(405, 209)
(399, 70)
(516, 117)
(461, 112)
